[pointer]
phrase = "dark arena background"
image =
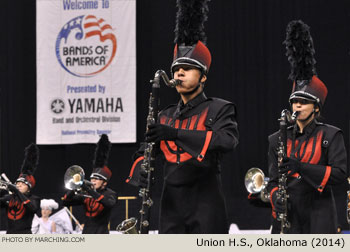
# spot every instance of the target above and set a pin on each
(249, 67)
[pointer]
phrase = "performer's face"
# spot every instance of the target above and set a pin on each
(189, 77)
(98, 183)
(305, 107)
(22, 187)
(45, 212)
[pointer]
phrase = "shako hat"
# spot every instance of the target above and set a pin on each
(300, 53)
(190, 38)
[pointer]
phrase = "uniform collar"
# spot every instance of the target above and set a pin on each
(183, 108)
(307, 130)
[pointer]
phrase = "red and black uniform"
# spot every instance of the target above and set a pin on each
(20, 211)
(192, 200)
(321, 151)
(97, 209)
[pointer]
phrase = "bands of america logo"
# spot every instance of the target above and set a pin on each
(86, 46)
(57, 106)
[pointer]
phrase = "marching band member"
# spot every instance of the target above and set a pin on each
(316, 156)
(193, 135)
(99, 204)
(21, 204)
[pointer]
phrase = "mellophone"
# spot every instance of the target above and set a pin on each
(5, 183)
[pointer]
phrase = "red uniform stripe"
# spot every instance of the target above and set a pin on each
(308, 150)
(168, 155)
(101, 197)
(273, 207)
(201, 121)
(177, 122)
(318, 149)
(133, 168)
(206, 145)
(289, 147)
(325, 178)
(184, 123)
(193, 121)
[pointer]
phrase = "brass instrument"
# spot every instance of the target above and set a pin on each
(4, 183)
(256, 182)
(285, 119)
(129, 226)
(74, 179)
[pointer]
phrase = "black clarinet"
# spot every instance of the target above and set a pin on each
(285, 119)
(148, 163)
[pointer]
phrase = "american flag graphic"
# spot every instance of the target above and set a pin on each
(98, 27)
(85, 27)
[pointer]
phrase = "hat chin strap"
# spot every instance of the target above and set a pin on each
(196, 88)
(193, 90)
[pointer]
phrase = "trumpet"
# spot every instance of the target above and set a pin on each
(5, 183)
(74, 179)
(256, 182)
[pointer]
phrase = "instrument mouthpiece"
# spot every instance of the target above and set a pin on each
(174, 82)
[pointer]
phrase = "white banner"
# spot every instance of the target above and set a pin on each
(86, 71)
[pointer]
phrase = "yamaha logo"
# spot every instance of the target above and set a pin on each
(57, 106)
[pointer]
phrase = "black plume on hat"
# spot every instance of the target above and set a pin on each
(190, 19)
(300, 51)
(102, 152)
(100, 169)
(31, 159)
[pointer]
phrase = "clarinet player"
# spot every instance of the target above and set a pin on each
(193, 135)
(316, 156)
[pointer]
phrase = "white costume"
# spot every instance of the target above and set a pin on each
(39, 226)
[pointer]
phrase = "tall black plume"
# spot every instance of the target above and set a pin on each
(190, 19)
(300, 51)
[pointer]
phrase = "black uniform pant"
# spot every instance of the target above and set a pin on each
(196, 208)
(312, 213)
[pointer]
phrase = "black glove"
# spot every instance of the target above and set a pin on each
(278, 204)
(70, 194)
(157, 132)
(86, 187)
(12, 188)
(143, 178)
(290, 164)
(90, 190)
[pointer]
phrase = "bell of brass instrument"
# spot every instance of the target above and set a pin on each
(74, 179)
(256, 182)
(128, 226)
(5, 182)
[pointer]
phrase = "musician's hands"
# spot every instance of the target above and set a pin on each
(12, 188)
(68, 195)
(290, 164)
(88, 187)
(143, 178)
(157, 132)
(278, 204)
